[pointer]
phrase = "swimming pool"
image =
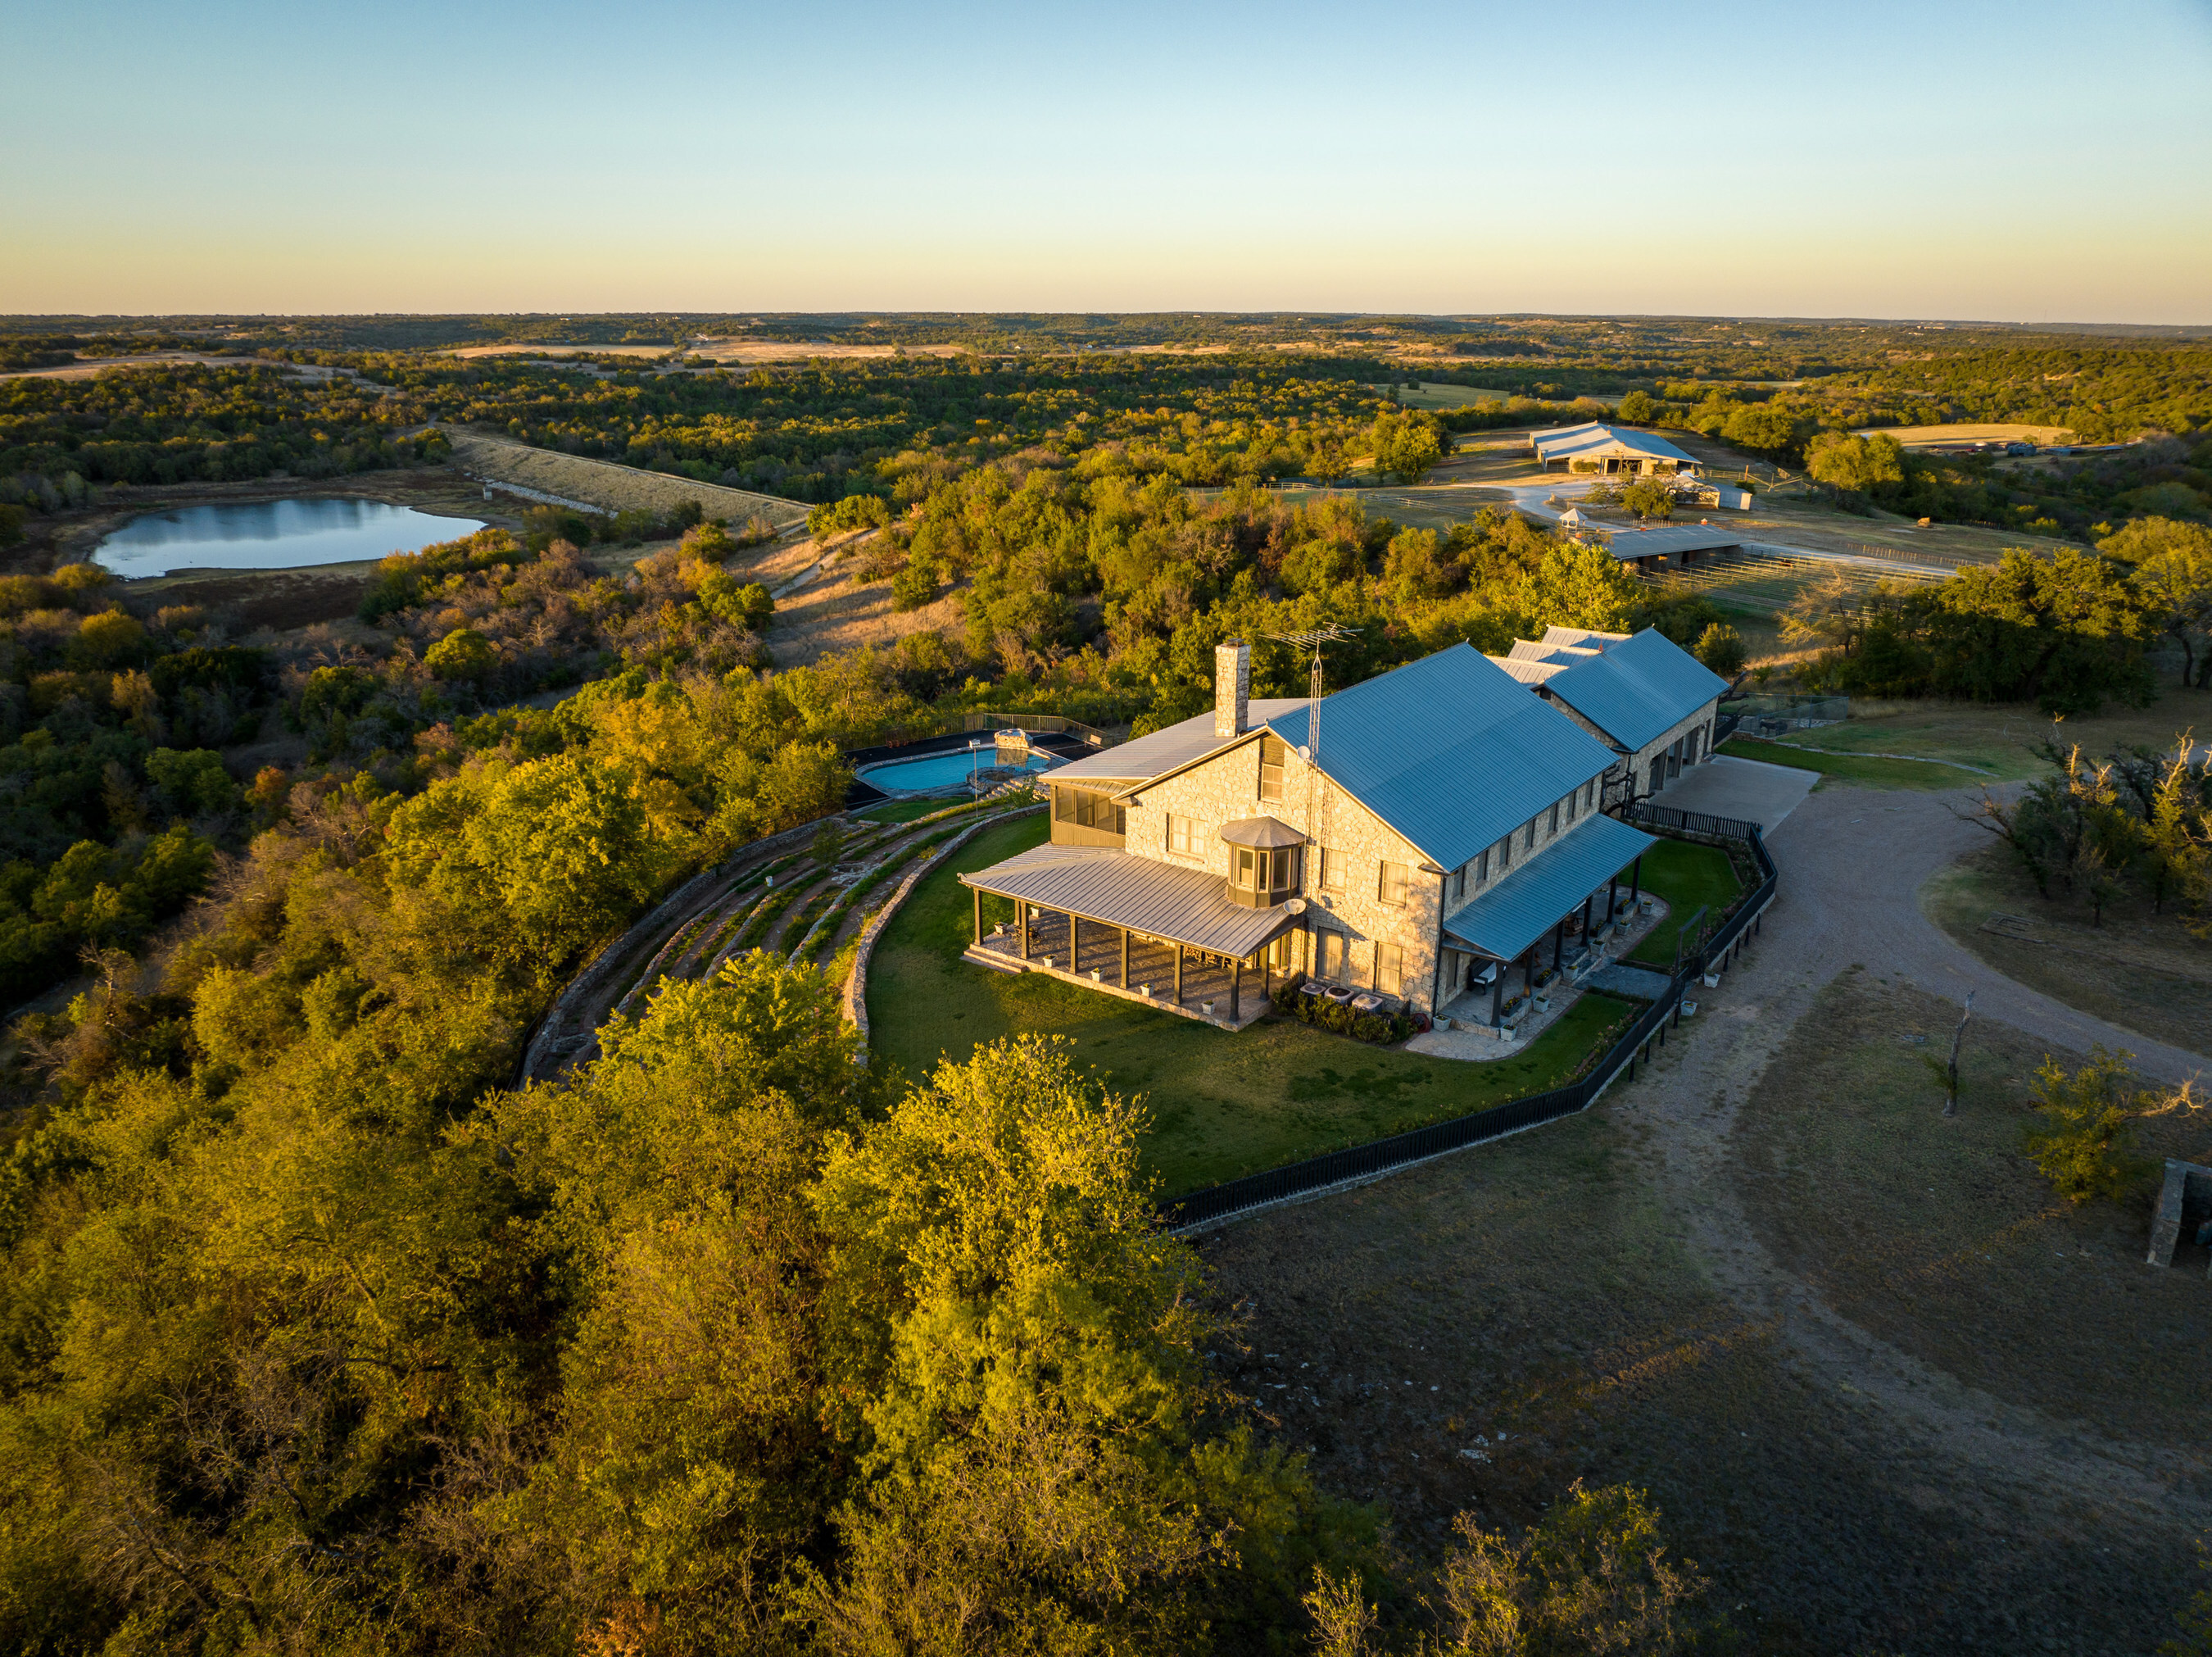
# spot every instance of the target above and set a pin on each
(937, 773)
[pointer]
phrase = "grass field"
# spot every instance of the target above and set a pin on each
(1426, 396)
(1222, 1105)
(1982, 743)
(1476, 1334)
(2140, 970)
(1868, 772)
(1686, 876)
(1938, 1235)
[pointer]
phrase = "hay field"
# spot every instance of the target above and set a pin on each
(1926, 437)
(605, 484)
(560, 350)
(790, 350)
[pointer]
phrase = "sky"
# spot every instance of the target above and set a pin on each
(2025, 161)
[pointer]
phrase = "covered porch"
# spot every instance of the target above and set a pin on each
(1549, 917)
(1129, 927)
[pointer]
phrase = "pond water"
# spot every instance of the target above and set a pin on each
(938, 770)
(272, 535)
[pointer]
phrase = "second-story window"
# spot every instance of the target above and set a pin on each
(1459, 883)
(1573, 799)
(1482, 867)
(1528, 836)
(1555, 828)
(1271, 767)
(1186, 837)
(1331, 869)
(1390, 885)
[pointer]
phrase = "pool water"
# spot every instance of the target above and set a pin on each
(273, 535)
(938, 770)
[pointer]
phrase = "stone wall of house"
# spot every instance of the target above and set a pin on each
(1656, 748)
(1226, 789)
(1702, 720)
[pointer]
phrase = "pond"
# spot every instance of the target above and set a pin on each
(272, 535)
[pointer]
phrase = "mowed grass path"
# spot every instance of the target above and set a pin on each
(1685, 875)
(1222, 1105)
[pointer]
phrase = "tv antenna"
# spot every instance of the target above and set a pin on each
(1309, 751)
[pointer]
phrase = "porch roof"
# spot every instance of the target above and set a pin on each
(1161, 901)
(1534, 898)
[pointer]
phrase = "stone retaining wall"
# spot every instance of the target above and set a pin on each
(856, 985)
(593, 978)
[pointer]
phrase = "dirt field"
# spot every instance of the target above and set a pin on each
(835, 610)
(85, 370)
(605, 484)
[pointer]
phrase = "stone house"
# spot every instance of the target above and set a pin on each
(1405, 841)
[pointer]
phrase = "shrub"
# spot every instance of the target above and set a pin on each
(2083, 1140)
(1720, 647)
(462, 653)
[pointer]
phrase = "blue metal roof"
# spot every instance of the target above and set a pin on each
(1517, 911)
(1450, 751)
(1636, 690)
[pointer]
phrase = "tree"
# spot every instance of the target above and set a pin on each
(2172, 569)
(1767, 428)
(1720, 647)
(191, 781)
(1583, 585)
(1022, 1352)
(1591, 1576)
(1406, 446)
(2083, 1141)
(1647, 497)
(462, 653)
(1863, 465)
(1638, 408)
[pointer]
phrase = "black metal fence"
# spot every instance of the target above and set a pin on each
(1381, 1156)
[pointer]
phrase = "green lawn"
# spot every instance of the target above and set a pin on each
(1685, 875)
(1866, 770)
(1222, 1105)
(902, 811)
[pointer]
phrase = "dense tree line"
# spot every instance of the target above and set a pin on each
(192, 424)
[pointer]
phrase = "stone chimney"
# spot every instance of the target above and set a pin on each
(1232, 688)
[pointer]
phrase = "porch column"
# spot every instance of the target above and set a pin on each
(1125, 957)
(1497, 997)
(1074, 946)
(1586, 906)
(1559, 943)
(1636, 878)
(1235, 987)
(1022, 922)
(1612, 895)
(978, 891)
(1178, 981)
